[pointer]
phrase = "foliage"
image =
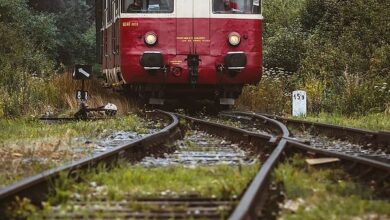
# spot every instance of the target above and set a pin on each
(127, 182)
(283, 38)
(29, 146)
(75, 30)
(347, 50)
(270, 96)
(373, 121)
(21, 209)
(339, 52)
(26, 39)
(76, 33)
(325, 193)
(33, 129)
(33, 44)
(227, 181)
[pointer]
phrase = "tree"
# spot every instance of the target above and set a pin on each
(283, 36)
(26, 38)
(76, 43)
(47, 5)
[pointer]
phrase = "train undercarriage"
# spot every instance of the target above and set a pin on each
(158, 94)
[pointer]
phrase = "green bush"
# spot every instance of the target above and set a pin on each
(283, 38)
(339, 52)
(26, 39)
(270, 95)
(76, 30)
(284, 48)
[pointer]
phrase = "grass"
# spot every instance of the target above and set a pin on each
(131, 182)
(353, 104)
(28, 146)
(17, 129)
(220, 181)
(269, 95)
(326, 194)
(98, 96)
(377, 122)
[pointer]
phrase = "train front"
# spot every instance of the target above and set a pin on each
(190, 49)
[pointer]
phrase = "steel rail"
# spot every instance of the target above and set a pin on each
(361, 160)
(294, 143)
(254, 198)
(231, 132)
(338, 129)
(69, 119)
(277, 125)
(36, 187)
(378, 138)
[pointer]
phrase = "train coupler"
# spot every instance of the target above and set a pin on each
(193, 61)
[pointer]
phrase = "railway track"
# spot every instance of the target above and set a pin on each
(351, 141)
(267, 138)
(35, 188)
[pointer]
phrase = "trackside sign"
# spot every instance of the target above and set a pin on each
(299, 101)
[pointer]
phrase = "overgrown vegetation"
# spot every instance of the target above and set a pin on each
(98, 96)
(219, 181)
(29, 128)
(29, 146)
(326, 194)
(337, 51)
(25, 65)
(36, 45)
(132, 182)
(373, 121)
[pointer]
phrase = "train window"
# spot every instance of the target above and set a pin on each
(236, 6)
(104, 17)
(109, 12)
(113, 38)
(113, 11)
(116, 8)
(147, 6)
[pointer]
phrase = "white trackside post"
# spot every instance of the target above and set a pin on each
(299, 100)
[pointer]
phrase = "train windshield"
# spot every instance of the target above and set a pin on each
(148, 6)
(236, 6)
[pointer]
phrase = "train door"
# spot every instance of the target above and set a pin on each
(193, 27)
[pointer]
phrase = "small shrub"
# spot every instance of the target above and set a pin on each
(26, 38)
(315, 90)
(271, 95)
(98, 96)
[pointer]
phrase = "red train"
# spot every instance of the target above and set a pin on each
(180, 49)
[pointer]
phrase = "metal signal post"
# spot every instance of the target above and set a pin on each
(82, 72)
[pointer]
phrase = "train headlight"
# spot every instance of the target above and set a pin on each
(150, 38)
(234, 38)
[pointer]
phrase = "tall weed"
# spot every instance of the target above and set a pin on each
(271, 95)
(98, 96)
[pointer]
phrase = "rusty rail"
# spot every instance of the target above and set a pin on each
(36, 187)
(377, 138)
(253, 201)
(254, 198)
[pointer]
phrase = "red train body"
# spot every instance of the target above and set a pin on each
(197, 49)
